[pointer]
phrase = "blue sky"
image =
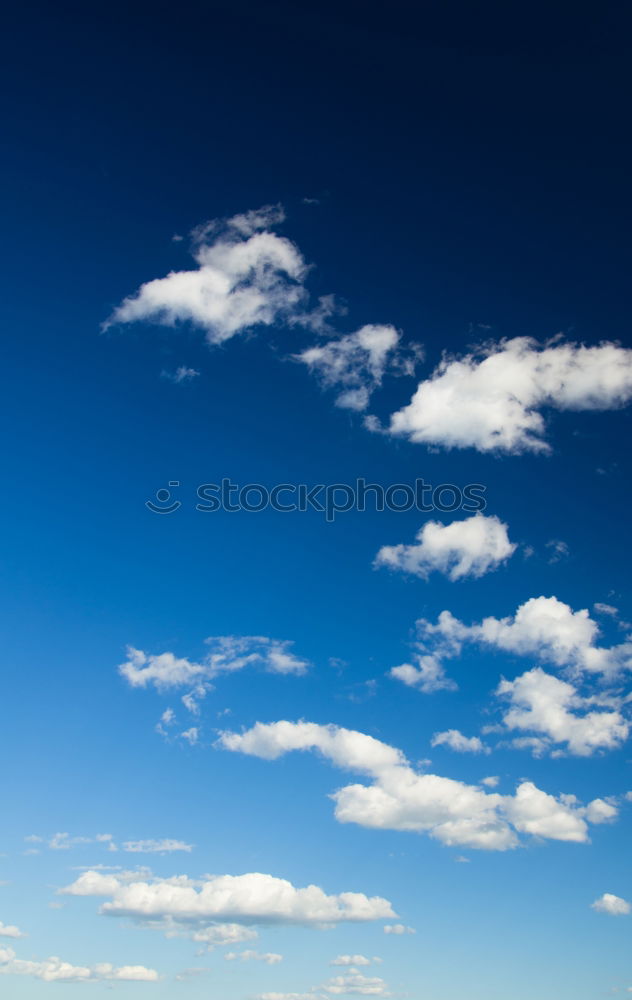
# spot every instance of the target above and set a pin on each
(313, 246)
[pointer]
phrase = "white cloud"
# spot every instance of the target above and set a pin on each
(399, 798)
(553, 708)
(355, 364)
(615, 906)
(55, 970)
(251, 899)
(245, 276)
(471, 547)
(398, 929)
(191, 735)
(166, 846)
(221, 935)
(427, 674)
(457, 741)
(269, 957)
(356, 984)
(543, 627)
(227, 654)
(287, 996)
(350, 960)
(491, 782)
(10, 931)
(491, 400)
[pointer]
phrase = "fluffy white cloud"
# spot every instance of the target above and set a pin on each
(350, 960)
(457, 741)
(10, 931)
(227, 654)
(491, 400)
(427, 674)
(55, 970)
(544, 627)
(398, 929)
(356, 363)
(615, 906)
(553, 708)
(251, 899)
(245, 276)
(269, 957)
(471, 547)
(400, 798)
(166, 846)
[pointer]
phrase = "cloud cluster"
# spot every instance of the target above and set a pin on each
(471, 548)
(491, 399)
(227, 654)
(65, 842)
(554, 710)
(55, 970)
(355, 364)
(253, 898)
(245, 276)
(542, 627)
(400, 798)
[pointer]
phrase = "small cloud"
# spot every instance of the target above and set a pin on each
(615, 906)
(398, 929)
(457, 741)
(181, 374)
(558, 550)
(192, 735)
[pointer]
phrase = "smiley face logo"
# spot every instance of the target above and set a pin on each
(162, 502)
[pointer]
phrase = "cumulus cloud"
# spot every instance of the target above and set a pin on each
(400, 798)
(55, 970)
(253, 898)
(613, 905)
(457, 741)
(10, 931)
(355, 364)
(398, 929)
(553, 709)
(492, 399)
(245, 276)
(227, 654)
(543, 627)
(471, 548)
